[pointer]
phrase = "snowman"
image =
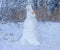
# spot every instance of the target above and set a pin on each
(30, 28)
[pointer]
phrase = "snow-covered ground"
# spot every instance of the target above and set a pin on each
(48, 36)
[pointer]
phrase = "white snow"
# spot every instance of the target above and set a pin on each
(10, 31)
(49, 37)
(0, 3)
(30, 28)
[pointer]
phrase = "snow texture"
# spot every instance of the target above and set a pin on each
(49, 37)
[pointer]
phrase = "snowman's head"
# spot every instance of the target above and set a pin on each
(30, 11)
(29, 8)
(33, 12)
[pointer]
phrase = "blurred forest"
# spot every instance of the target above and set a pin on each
(14, 10)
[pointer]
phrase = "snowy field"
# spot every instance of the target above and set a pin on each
(48, 36)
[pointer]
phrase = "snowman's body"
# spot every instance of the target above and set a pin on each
(30, 28)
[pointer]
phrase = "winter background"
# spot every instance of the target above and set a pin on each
(13, 15)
